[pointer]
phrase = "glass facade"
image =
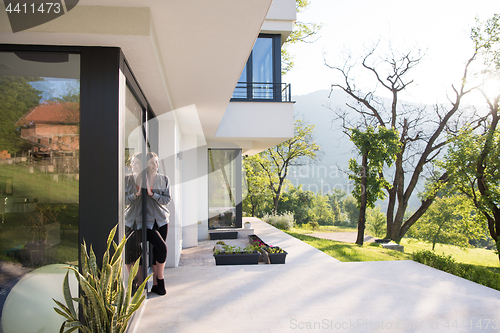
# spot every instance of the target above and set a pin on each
(39, 180)
(134, 139)
(224, 188)
(261, 77)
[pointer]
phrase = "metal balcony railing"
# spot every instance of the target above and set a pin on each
(262, 92)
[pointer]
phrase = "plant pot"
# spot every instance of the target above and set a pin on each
(253, 238)
(223, 235)
(247, 225)
(237, 259)
(274, 258)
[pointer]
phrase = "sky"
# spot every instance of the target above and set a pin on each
(440, 28)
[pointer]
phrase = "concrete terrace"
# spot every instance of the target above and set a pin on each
(314, 292)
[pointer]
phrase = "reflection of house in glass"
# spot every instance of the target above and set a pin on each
(52, 127)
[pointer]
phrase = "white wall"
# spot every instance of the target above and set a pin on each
(257, 120)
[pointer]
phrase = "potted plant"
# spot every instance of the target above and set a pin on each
(248, 225)
(106, 304)
(274, 254)
(232, 255)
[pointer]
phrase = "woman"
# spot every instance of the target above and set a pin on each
(157, 215)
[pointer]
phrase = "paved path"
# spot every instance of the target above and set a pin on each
(314, 292)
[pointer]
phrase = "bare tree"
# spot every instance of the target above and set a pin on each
(421, 132)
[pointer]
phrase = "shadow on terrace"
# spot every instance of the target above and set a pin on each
(315, 292)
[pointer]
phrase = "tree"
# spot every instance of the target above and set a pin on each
(376, 149)
(350, 207)
(375, 220)
(297, 151)
(421, 133)
(449, 220)
(302, 32)
(256, 185)
(322, 211)
(298, 202)
(17, 97)
(472, 161)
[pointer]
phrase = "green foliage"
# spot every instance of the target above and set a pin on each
(274, 249)
(449, 220)
(298, 202)
(302, 32)
(106, 305)
(321, 211)
(17, 97)
(486, 36)
(229, 249)
(258, 193)
(351, 210)
(379, 148)
(313, 225)
(473, 273)
(282, 221)
(376, 222)
(472, 164)
(275, 161)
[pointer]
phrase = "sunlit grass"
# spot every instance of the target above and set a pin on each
(348, 252)
(306, 229)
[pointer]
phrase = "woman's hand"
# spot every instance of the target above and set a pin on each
(150, 189)
(139, 183)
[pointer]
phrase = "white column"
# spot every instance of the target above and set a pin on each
(168, 147)
(190, 196)
(203, 192)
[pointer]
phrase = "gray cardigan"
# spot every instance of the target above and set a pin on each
(156, 206)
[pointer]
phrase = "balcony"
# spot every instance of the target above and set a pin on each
(262, 92)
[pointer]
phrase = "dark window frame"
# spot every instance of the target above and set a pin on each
(100, 69)
(239, 184)
(276, 58)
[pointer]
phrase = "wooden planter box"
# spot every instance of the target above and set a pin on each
(274, 258)
(237, 259)
(223, 235)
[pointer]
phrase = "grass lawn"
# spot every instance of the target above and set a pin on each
(347, 252)
(305, 229)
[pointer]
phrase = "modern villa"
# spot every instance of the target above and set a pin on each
(197, 82)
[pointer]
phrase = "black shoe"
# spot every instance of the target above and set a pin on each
(160, 287)
(154, 289)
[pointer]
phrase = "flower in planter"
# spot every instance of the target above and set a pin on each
(274, 249)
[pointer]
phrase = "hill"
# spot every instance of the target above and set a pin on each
(316, 109)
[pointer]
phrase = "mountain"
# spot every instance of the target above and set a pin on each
(329, 173)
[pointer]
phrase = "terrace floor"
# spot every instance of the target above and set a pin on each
(314, 292)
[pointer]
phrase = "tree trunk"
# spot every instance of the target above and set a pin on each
(362, 206)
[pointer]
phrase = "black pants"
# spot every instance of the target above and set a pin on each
(157, 237)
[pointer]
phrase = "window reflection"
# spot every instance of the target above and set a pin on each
(222, 186)
(39, 163)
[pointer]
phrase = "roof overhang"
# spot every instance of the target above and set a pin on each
(182, 53)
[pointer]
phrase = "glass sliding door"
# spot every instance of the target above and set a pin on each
(224, 188)
(39, 182)
(134, 141)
